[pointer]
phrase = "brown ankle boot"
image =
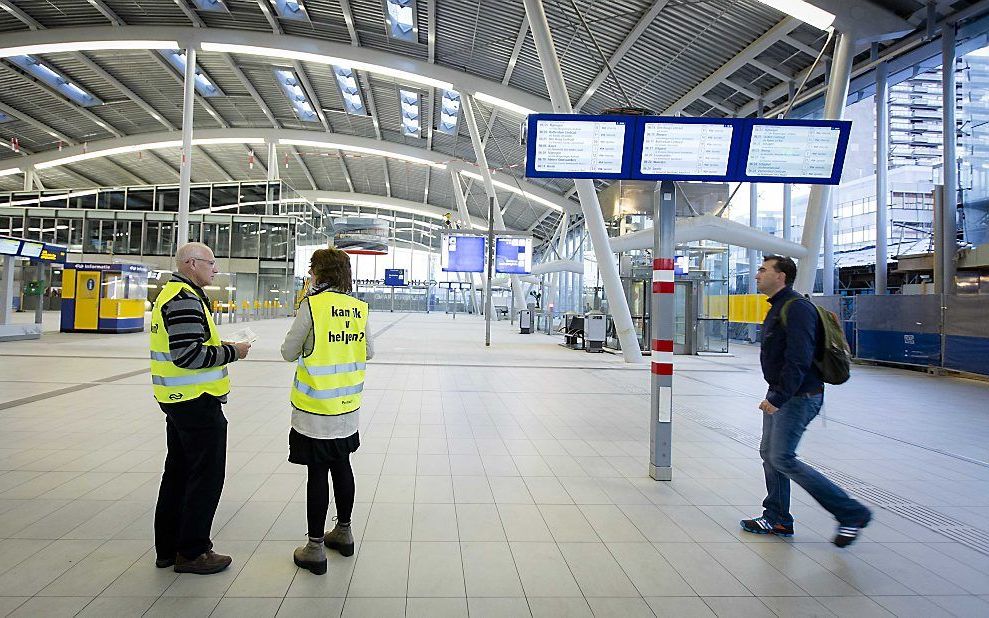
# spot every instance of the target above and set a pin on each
(205, 564)
(340, 539)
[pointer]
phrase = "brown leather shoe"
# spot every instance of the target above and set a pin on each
(205, 564)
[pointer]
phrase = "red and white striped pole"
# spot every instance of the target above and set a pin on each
(662, 328)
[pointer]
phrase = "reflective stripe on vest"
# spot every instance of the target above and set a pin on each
(330, 393)
(328, 370)
(173, 384)
(330, 380)
(196, 378)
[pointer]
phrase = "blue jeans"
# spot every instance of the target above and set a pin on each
(781, 433)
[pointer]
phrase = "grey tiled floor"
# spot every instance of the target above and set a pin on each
(507, 481)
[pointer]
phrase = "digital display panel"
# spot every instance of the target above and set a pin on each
(578, 146)
(685, 149)
(31, 249)
(810, 152)
(462, 253)
(395, 276)
(513, 256)
(9, 246)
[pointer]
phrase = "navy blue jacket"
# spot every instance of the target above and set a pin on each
(787, 354)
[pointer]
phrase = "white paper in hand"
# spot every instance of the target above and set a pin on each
(244, 335)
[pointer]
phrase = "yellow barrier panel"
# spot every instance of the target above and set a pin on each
(742, 308)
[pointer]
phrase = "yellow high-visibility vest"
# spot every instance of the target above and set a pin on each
(331, 379)
(173, 384)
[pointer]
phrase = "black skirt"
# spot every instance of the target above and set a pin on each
(307, 451)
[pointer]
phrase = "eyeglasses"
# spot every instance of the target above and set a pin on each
(210, 262)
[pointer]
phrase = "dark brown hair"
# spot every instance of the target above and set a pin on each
(784, 265)
(332, 267)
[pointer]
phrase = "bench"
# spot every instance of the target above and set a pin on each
(501, 310)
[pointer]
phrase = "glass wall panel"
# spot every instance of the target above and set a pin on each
(159, 238)
(252, 198)
(274, 241)
(83, 201)
(113, 200)
(54, 203)
(128, 237)
(225, 197)
(244, 239)
(217, 237)
(973, 145)
(140, 199)
(167, 200)
(195, 231)
(199, 198)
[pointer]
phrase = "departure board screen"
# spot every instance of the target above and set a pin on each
(802, 153)
(684, 149)
(9, 246)
(31, 249)
(461, 253)
(513, 256)
(578, 146)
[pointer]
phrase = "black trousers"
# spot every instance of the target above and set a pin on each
(196, 433)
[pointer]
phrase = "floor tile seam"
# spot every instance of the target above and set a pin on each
(739, 434)
(107, 587)
(19, 562)
(38, 497)
(76, 387)
(772, 566)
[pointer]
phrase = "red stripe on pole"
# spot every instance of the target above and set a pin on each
(662, 287)
(662, 369)
(662, 264)
(662, 345)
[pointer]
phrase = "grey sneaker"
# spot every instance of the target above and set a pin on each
(311, 557)
(340, 539)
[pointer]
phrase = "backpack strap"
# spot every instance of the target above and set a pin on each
(786, 306)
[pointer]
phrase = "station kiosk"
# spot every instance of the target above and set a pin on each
(104, 298)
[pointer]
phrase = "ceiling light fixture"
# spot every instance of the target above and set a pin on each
(361, 149)
(74, 46)
(804, 11)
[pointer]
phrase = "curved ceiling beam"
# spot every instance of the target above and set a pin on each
(385, 203)
(281, 46)
(288, 137)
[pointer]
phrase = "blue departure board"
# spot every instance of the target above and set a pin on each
(462, 253)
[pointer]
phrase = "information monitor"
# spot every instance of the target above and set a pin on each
(578, 146)
(461, 253)
(683, 149)
(513, 256)
(31, 249)
(808, 152)
(9, 246)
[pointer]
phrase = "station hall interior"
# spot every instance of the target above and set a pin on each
(526, 447)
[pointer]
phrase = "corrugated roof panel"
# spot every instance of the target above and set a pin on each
(147, 12)
(369, 20)
(27, 96)
(63, 14)
(9, 23)
(367, 173)
(243, 15)
(482, 51)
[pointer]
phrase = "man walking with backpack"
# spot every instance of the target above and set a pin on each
(796, 356)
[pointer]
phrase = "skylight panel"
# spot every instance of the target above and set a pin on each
(5, 118)
(350, 90)
(56, 80)
(410, 113)
(204, 85)
(291, 9)
(296, 95)
(449, 112)
(400, 18)
(211, 6)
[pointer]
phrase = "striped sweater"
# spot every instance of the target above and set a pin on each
(188, 330)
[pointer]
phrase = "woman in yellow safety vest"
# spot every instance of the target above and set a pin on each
(329, 344)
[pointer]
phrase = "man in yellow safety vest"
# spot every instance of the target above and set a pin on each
(189, 374)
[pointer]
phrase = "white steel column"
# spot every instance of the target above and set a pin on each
(827, 279)
(752, 253)
(467, 101)
(185, 170)
(272, 161)
(949, 230)
(882, 174)
(594, 220)
(464, 212)
(29, 179)
(819, 203)
(788, 188)
(556, 279)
